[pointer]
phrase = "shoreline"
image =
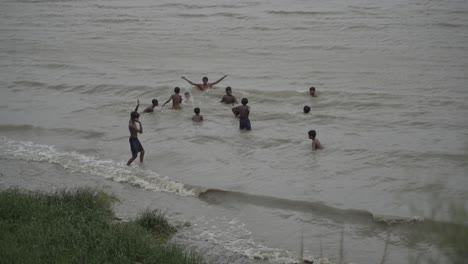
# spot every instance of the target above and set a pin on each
(47, 177)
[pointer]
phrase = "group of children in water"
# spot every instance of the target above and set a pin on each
(242, 112)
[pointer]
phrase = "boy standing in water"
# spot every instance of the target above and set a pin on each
(229, 98)
(205, 85)
(197, 117)
(135, 145)
(243, 112)
(176, 99)
(315, 142)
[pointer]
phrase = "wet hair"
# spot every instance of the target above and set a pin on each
(134, 115)
(228, 88)
(244, 101)
(187, 94)
(312, 88)
(177, 90)
(306, 109)
(312, 133)
(154, 101)
(196, 110)
(205, 78)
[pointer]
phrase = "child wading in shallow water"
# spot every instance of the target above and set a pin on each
(243, 112)
(315, 142)
(197, 117)
(135, 145)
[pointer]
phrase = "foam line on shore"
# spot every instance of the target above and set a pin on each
(76, 162)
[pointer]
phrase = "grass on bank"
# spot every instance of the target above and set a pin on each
(78, 226)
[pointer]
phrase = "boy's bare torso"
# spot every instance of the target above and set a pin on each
(228, 99)
(133, 128)
(197, 118)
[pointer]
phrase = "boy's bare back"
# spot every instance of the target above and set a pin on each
(176, 101)
(316, 144)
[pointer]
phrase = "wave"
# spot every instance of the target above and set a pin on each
(83, 134)
(193, 15)
(76, 162)
(150, 180)
(116, 20)
(117, 6)
(28, 84)
(221, 14)
(451, 25)
(344, 215)
(187, 6)
(233, 236)
(114, 89)
(304, 13)
(231, 15)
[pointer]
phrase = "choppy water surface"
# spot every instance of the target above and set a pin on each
(391, 111)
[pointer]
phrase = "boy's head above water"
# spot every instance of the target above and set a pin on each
(312, 134)
(312, 91)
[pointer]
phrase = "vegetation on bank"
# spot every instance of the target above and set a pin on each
(450, 236)
(78, 226)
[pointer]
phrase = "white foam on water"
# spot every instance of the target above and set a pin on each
(233, 236)
(76, 162)
(230, 234)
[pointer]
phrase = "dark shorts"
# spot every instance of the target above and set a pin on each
(135, 146)
(244, 124)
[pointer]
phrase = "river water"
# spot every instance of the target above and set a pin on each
(391, 111)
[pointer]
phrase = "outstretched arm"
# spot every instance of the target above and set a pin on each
(219, 80)
(183, 78)
(168, 100)
(138, 105)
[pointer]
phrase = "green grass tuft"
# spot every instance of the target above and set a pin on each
(155, 222)
(77, 226)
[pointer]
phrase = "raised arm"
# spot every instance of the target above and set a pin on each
(183, 78)
(138, 105)
(219, 80)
